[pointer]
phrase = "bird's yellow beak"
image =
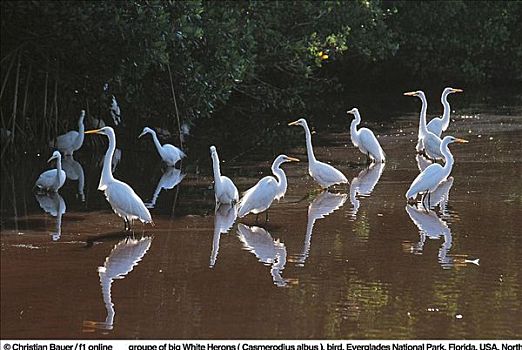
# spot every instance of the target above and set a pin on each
(52, 157)
(92, 131)
(461, 141)
(292, 159)
(458, 90)
(293, 123)
(411, 93)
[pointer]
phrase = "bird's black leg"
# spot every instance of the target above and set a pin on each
(266, 215)
(257, 218)
(429, 199)
(424, 201)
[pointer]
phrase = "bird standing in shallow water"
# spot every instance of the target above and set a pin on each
(438, 125)
(259, 198)
(365, 140)
(225, 190)
(428, 180)
(122, 198)
(72, 140)
(168, 153)
(427, 141)
(324, 174)
(52, 180)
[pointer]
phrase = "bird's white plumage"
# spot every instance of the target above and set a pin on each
(439, 124)
(324, 174)
(259, 198)
(428, 180)
(225, 190)
(52, 180)
(122, 198)
(427, 141)
(169, 154)
(72, 140)
(365, 140)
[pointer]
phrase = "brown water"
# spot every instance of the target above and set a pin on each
(356, 263)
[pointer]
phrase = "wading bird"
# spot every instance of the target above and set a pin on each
(438, 125)
(72, 140)
(168, 153)
(259, 198)
(365, 140)
(225, 190)
(122, 198)
(52, 180)
(427, 141)
(324, 174)
(428, 180)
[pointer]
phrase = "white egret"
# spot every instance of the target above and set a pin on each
(72, 140)
(428, 180)
(259, 198)
(225, 190)
(168, 153)
(426, 139)
(122, 198)
(324, 174)
(365, 140)
(52, 180)
(438, 125)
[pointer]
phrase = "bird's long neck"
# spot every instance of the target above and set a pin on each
(309, 148)
(281, 178)
(106, 176)
(58, 170)
(422, 124)
(353, 128)
(215, 168)
(156, 142)
(447, 109)
(448, 158)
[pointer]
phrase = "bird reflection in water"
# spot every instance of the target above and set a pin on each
(267, 250)
(54, 205)
(431, 226)
(170, 179)
(122, 259)
(224, 218)
(74, 171)
(323, 205)
(363, 184)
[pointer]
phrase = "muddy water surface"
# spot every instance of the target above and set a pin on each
(354, 263)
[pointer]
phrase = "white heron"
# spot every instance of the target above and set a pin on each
(438, 125)
(169, 154)
(426, 139)
(428, 180)
(72, 140)
(225, 190)
(259, 198)
(324, 174)
(365, 140)
(52, 180)
(122, 198)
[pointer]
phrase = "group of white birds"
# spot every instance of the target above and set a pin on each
(129, 206)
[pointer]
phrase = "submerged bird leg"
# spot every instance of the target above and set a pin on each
(266, 216)
(257, 218)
